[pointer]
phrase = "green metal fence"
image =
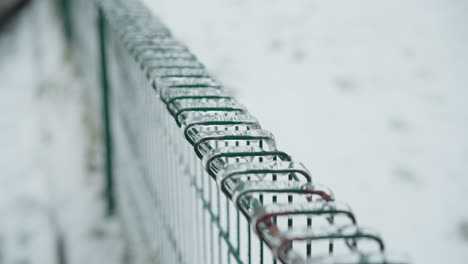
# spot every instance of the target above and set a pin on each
(192, 175)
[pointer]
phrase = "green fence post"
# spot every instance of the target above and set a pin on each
(106, 115)
(67, 23)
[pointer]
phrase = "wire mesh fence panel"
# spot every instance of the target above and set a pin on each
(195, 177)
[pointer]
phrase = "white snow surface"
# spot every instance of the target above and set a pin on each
(370, 95)
(51, 201)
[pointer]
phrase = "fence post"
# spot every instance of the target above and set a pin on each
(67, 23)
(109, 188)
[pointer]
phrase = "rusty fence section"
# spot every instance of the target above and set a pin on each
(192, 175)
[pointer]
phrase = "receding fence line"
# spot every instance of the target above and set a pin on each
(192, 173)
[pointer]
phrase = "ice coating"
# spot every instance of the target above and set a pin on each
(201, 123)
(206, 103)
(353, 233)
(153, 42)
(179, 63)
(243, 153)
(145, 51)
(259, 133)
(163, 73)
(241, 118)
(189, 81)
(322, 208)
(287, 208)
(241, 149)
(273, 186)
(202, 105)
(167, 94)
(128, 31)
(158, 54)
(213, 159)
(244, 191)
(147, 45)
(256, 134)
(333, 232)
(227, 150)
(259, 171)
(273, 166)
(210, 111)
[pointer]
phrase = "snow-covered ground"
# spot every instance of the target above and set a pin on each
(371, 95)
(51, 201)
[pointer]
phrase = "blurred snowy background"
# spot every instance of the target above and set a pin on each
(372, 96)
(51, 200)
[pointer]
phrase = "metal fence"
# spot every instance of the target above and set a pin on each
(194, 176)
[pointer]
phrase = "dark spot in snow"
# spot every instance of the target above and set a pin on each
(276, 45)
(463, 229)
(98, 232)
(24, 238)
(408, 53)
(47, 137)
(398, 124)
(299, 55)
(435, 99)
(61, 250)
(127, 257)
(27, 204)
(406, 175)
(424, 73)
(153, 255)
(345, 84)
